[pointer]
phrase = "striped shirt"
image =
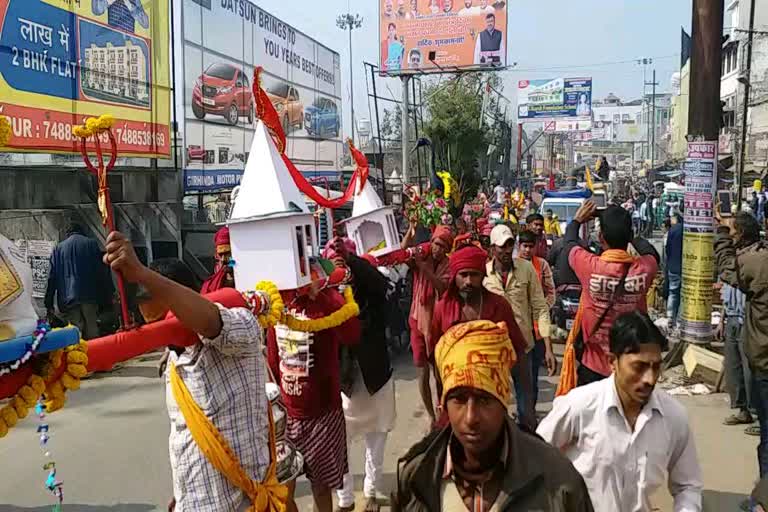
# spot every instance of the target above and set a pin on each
(225, 377)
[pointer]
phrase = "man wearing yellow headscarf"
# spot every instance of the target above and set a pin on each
(483, 461)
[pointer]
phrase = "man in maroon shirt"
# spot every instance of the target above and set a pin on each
(306, 366)
(466, 299)
(535, 224)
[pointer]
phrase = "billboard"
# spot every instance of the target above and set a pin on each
(62, 61)
(558, 97)
(223, 42)
(463, 34)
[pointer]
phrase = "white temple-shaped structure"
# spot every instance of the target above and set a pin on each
(272, 232)
(372, 226)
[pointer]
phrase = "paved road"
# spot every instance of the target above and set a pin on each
(110, 445)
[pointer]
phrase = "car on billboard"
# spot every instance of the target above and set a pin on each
(287, 102)
(321, 119)
(223, 90)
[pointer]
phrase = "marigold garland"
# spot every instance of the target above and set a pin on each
(27, 396)
(276, 304)
(77, 368)
(278, 315)
(94, 126)
(349, 310)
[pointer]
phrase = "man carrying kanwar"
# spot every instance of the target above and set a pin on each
(482, 461)
(466, 299)
(367, 386)
(221, 442)
(430, 280)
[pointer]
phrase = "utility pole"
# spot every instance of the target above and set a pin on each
(350, 22)
(645, 62)
(404, 129)
(652, 151)
(701, 172)
(745, 79)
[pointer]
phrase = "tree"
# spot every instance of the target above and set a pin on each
(453, 123)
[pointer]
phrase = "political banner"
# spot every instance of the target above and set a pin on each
(223, 41)
(62, 61)
(423, 36)
(700, 171)
(557, 97)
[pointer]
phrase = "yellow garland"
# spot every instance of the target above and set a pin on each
(5, 130)
(94, 126)
(77, 368)
(350, 309)
(27, 396)
(276, 308)
(278, 315)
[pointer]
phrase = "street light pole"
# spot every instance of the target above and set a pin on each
(350, 22)
(745, 113)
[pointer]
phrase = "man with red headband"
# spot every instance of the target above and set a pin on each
(430, 280)
(466, 300)
(222, 273)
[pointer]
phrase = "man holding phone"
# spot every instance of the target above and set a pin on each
(613, 283)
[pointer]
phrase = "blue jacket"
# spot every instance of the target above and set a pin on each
(674, 249)
(78, 274)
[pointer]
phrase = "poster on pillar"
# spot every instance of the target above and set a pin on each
(700, 170)
(62, 61)
(222, 43)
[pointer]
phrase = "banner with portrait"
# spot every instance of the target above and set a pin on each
(423, 36)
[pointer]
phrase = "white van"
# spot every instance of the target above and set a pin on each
(564, 208)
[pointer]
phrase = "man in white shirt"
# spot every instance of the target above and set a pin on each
(624, 436)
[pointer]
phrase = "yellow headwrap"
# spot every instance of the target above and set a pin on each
(476, 354)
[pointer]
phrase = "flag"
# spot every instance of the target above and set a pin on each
(685, 47)
(588, 178)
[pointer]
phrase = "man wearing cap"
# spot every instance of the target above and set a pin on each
(467, 300)
(482, 461)
(430, 280)
(516, 280)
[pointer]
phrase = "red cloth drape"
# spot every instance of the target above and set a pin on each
(268, 115)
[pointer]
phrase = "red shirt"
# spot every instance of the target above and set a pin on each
(495, 308)
(309, 378)
(598, 279)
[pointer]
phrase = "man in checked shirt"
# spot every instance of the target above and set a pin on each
(225, 375)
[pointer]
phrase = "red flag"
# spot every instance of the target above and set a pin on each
(266, 111)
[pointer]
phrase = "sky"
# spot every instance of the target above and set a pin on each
(546, 38)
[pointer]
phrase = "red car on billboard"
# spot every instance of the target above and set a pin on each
(223, 90)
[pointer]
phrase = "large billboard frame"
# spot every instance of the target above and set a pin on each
(436, 68)
(77, 57)
(206, 133)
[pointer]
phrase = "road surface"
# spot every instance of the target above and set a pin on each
(110, 446)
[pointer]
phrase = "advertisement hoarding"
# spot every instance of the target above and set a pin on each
(463, 34)
(62, 61)
(558, 97)
(223, 42)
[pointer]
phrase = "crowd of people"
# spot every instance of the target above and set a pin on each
(481, 334)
